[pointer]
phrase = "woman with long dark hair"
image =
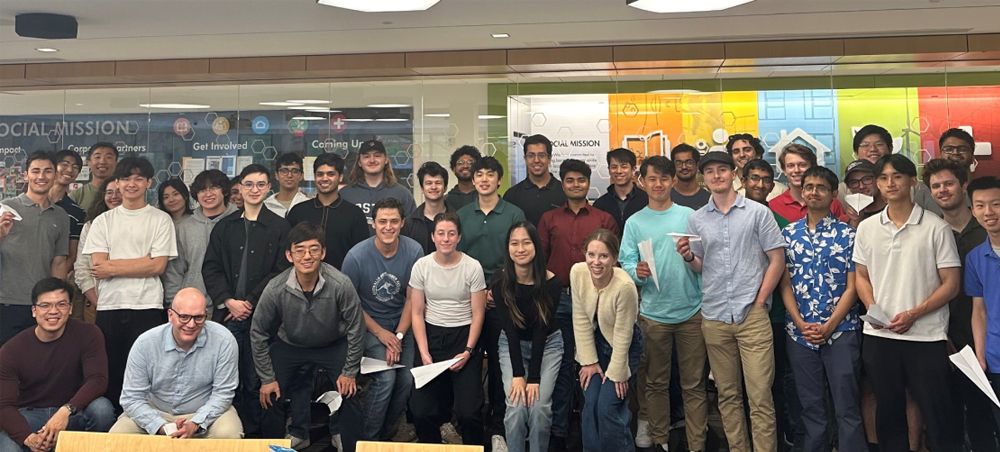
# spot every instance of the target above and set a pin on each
(174, 198)
(531, 344)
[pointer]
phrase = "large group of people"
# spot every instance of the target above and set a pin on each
(698, 279)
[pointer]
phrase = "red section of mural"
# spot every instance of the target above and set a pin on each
(974, 106)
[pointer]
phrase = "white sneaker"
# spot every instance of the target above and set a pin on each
(642, 439)
(336, 442)
(498, 443)
(664, 446)
(299, 443)
(449, 435)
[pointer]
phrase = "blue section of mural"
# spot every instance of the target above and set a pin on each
(807, 117)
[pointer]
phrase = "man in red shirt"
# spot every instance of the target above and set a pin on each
(795, 159)
(52, 376)
(563, 230)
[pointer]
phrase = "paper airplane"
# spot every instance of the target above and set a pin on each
(424, 374)
(876, 316)
(646, 254)
(5, 208)
(691, 237)
(169, 428)
(371, 365)
(858, 201)
(332, 399)
(967, 362)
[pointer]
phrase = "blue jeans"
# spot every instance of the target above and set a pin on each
(537, 418)
(99, 416)
(562, 396)
(388, 392)
(247, 397)
(604, 422)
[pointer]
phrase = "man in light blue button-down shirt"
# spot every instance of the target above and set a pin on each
(181, 376)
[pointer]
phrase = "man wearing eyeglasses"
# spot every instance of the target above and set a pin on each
(244, 253)
(687, 191)
(464, 192)
(52, 376)
(181, 376)
(873, 142)
(288, 168)
(957, 145)
(309, 316)
(859, 177)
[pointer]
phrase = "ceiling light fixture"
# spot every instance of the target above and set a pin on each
(392, 119)
(684, 6)
(309, 118)
(322, 110)
(176, 106)
(280, 104)
(307, 101)
(438, 115)
(47, 49)
(500, 35)
(300, 107)
(388, 105)
(380, 6)
(358, 119)
(491, 116)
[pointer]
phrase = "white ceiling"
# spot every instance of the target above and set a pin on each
(155, 29)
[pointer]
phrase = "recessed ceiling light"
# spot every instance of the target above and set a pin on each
(380, 6)
(175, 106)
(500, 35)
(491, 116)
(358, 119)
(388, 105)
(300, 107)
(322, 110)
(683, 6)
(438, 115)
(307, 101)
(47, 49)
(309, 118)
(279, 104)
(392, 119)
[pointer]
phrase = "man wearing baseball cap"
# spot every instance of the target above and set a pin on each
(372, 179)
(859, 177)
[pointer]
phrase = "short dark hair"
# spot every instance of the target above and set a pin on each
(49, 284)
(872, 129)
(574, 165)
(800, 150)
(433, 169)
(757, 164)
(59, 155)
(622, 155)
(538, 139)
(899, 162)
(100, 145)
(824, 173)
(684, 147)
(450, 217)
(134, 165)
(235, 181)
(304, 232)
(176, 184)
(983, 183)
(288, 158)
(758, 148)
(937, 165)
(489, 164)
(254, 168)
(388, 203)
(468, 150)
(955, 132)
(330, 159)
(211, 178)
(660, 163)
(39, 155)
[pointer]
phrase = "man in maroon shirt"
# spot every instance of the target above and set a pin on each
(52, 376)
(563, 230)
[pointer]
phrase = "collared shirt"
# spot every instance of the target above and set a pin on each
(344, 223)
(982, 280)
(819, 262)
(960, 308)
(456, 199)
(161, 376)
(622, 209)
(788, 208)
(26, 253)
(903, 266)
(484, 236)
(77, 217)
(562, 232)
(733, 249)
(534, 200)
(278, 208)
(420, 228)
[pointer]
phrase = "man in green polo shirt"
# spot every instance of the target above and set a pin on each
(484, 237)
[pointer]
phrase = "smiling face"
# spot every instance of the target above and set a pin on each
(621, 172)
(210, 198)
(133, 188)
(187, 315)
(254, 188)
(306, 256)
(446, 237)
(387, 224)
(575, 186)
(433, 188)
(872, 148)
(67, 170)
(794, 167)
(521, 248)
(817, 193)
(289, 176)
(173, 201)
(235, 197)
(946, 190)
(486, 181)
(718, 177)
(657, 185)
(102, 162)
(958, 150)
(686, 166)
(41, 175)
(327, 179)
(600, 260)
(537, 159)
(463, 168)
(373, 162)
(861, 182)
(52, 310)
(743, 152)
(986, 209)
(113, 195)
(758, 184)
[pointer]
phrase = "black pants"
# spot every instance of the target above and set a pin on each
(494, 383)
(121, 327)
(895, 366)
(976, 410)
(460, 391)
(247, 397)
(13, 319)
(296, 386)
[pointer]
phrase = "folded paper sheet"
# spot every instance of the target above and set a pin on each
(646, 254)
(966, 361)
(691, 237)
(858, 201)
(424, 374)
(876, 316)
(332, 399)
(5, 208)
(371, 365)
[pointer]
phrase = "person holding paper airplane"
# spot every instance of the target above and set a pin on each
(982, 280)
(670, 311)
(907, 264)
(859, 179)
(308, 316)
(823, 337)
(448, 304)
(873, 142)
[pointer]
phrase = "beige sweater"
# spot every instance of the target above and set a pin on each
(617, 307)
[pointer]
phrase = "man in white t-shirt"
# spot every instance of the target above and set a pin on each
(129, 247)
(908, 267)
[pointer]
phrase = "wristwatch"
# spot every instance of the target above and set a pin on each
(468, 349)
(399, 335)
(72, 409)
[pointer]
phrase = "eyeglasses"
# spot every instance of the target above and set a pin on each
(313, 251)
(688, 162)
(536, 156)
(45, 307)
(954, 150)
(855, 183)
(464, 162)
(877, 144)
(816, 188)
(758, 179)
(117, 193)
(259, 185)
(287, 171)
(185, 318)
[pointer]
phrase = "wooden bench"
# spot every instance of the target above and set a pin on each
(105, 442)
(372, 446)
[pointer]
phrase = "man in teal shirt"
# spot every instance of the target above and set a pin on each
(670, 312)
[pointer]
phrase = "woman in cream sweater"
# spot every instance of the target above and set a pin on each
(608, 342)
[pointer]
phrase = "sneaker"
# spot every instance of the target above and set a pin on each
(299, 443)
(679, 424)
(336, 442)
(642, 439)
(449, 435)
(498, 444)
(664, 446)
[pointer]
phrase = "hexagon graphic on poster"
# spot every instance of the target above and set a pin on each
(54, 136)
(489, 149)
(411, 180)
(538, 119)
(270, 153)
(453, 130)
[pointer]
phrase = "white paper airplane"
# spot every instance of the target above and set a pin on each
(691, 237)
(876, 316)
(372, 365)
(424, 374)
(858, 201)
(646, 254)
(5, 208)
(332, 399)
(967, 362)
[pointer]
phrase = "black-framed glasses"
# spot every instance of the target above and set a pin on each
(286, 171)
(259, 185)
(954, 150)
(61, 305)
(855, 183)
(185, 318)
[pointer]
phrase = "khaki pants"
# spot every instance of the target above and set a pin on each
(227, 426)
(752, 344)
(654, 378)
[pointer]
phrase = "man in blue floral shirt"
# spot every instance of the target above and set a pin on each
(824, 332)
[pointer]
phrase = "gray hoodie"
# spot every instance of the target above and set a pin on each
(333, 313)
(192, 241)
(365, 197)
